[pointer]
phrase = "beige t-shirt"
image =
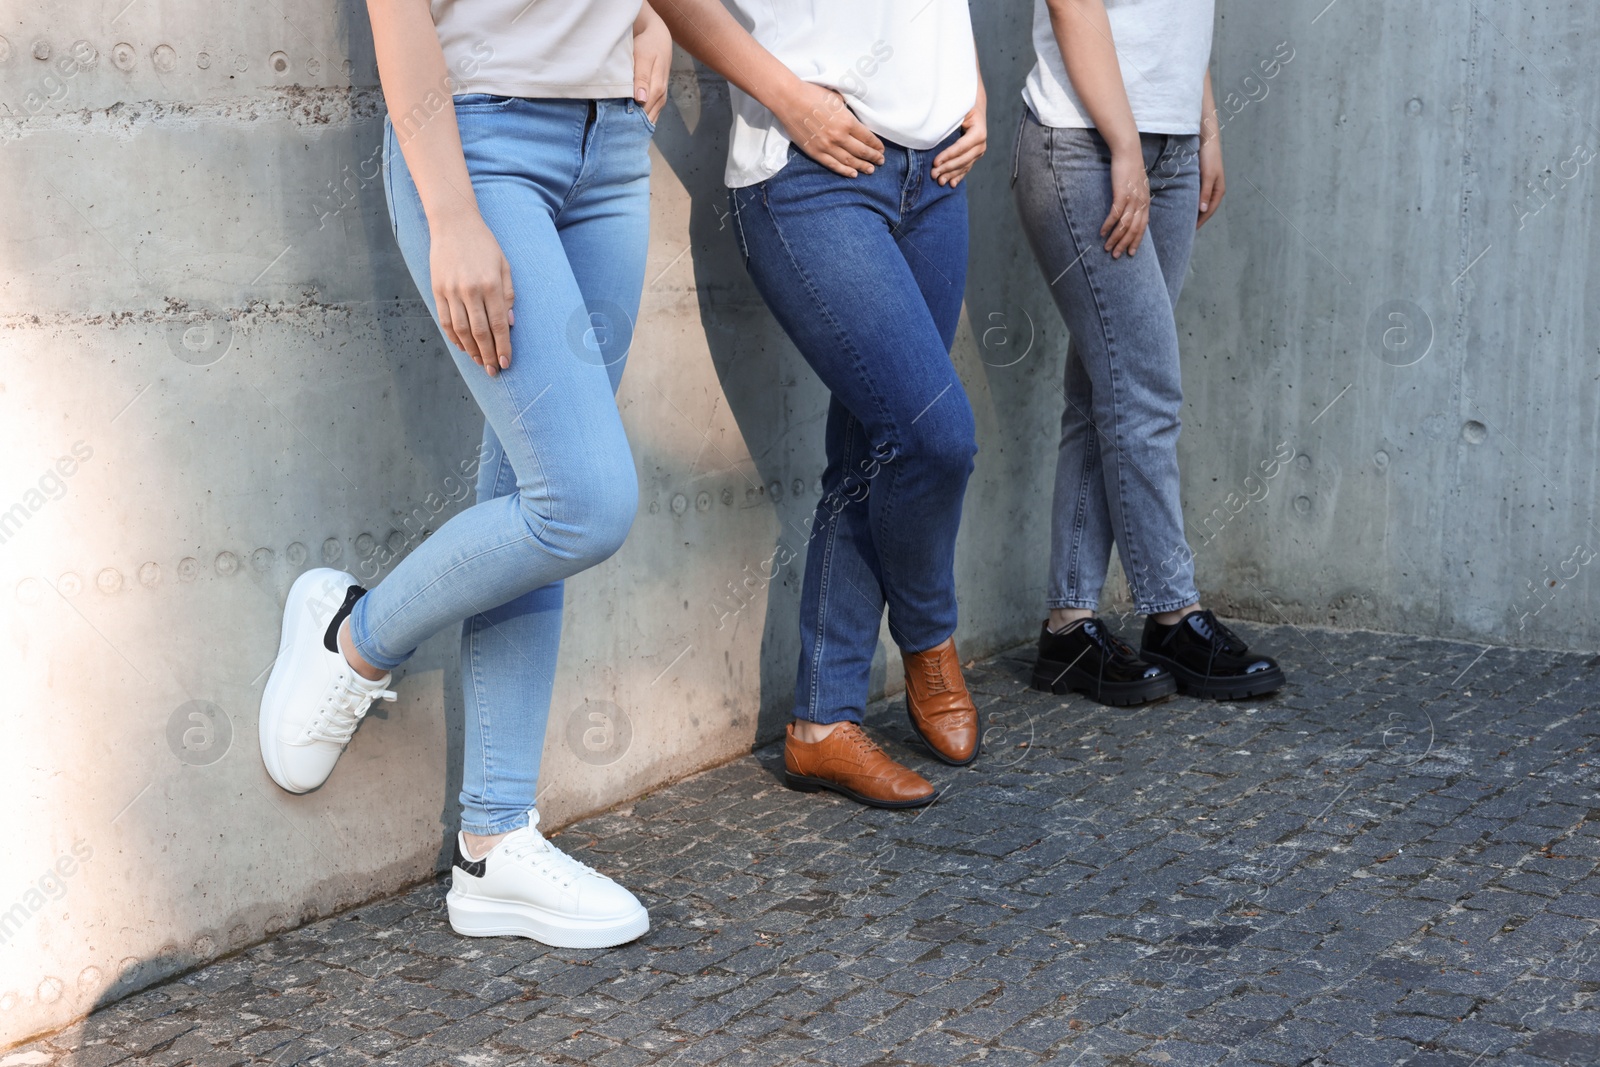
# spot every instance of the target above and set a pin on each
(572, 49)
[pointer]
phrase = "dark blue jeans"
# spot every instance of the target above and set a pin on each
(867, 276)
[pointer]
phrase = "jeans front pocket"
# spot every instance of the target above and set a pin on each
(635, 106)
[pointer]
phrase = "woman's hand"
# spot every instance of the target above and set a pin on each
(822, 126)
(1083, 33)
(471, 278)
(472, 290)
(1212, 185)
(952, 165)
(1130, 202)
(652, 62)
(816, 119)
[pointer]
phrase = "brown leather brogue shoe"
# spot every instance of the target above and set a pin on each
(848, 762)
(941, 710)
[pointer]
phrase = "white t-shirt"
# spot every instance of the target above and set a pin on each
(907, 68)
(569, 49)
(1163, 47)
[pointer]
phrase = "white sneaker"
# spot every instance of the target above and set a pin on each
(313, 701)
(526, 887)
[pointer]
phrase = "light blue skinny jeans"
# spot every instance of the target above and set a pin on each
(564, 186)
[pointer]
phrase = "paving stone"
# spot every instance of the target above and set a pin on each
(1267, 882)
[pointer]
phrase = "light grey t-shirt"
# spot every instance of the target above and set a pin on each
(1163, 47)
(579, 49)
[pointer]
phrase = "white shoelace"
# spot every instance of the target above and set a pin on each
(343, 710)
(542, 857)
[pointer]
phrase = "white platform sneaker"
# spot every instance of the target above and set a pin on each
(313, 701)
(526, 887)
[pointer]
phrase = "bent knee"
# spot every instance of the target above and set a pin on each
(605, 524)
(946, 443)
(586, 517)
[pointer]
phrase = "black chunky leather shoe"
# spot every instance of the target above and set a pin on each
(1087, 658)
(1208, 659)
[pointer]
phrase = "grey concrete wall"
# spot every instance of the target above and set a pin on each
(216, 373)
(1401, 291)
(207, 326)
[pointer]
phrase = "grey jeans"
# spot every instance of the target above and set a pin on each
(1117, 470)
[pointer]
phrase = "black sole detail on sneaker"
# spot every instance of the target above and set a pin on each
(1061, 678)
(977, 749)
(1238, 687)
(805, 784)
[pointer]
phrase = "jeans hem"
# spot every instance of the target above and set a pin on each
(491, 827)
(1056, 602)
(828, 718)
(361, 641)
(1170, 605)
(905, 651)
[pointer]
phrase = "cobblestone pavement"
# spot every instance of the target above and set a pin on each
(1393, 861)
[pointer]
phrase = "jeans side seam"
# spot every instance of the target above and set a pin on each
(886, 507)
(484, 729)
(1081, 518)
(501, 462)
(824, 582)
(1100, 318)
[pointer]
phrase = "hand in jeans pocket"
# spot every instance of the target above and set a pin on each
(1130, 203)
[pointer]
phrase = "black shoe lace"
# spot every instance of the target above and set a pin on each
(1220, 637)
(1114, 646)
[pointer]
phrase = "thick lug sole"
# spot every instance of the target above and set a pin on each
(1238, 687)
(292, 633)
(1062, 678)
(806, 784)
(479, 917)
(941, 756)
